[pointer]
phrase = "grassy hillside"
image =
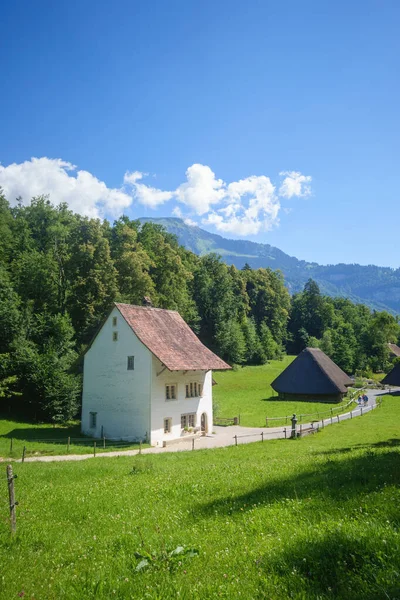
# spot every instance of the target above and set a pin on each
(248, 393)
(314, 518)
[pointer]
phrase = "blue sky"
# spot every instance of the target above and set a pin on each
(274, 121)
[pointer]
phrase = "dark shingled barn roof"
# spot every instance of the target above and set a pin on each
(312, 373)
(393, 377)
(170, 339)
(394, 349)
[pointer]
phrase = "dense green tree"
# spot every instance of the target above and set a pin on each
(253, 351)
(132, 263)
(92, 276)
(231, 342)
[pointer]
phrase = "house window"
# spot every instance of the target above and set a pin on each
(170, 391)
(114, 321)
(115, 336)
(188, 420)
(167, 425)
(193, 389)
(93, 420)
(131, 363)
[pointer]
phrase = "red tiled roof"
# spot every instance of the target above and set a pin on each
(170, 338)
(394, 349)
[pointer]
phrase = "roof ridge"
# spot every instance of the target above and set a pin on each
(145, 307)
(321, 367)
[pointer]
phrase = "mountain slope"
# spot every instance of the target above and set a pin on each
(378, 287)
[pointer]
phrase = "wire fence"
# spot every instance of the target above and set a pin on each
(74, 445)
(317, 414)
(311, 427)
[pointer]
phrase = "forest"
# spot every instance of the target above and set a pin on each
(60, 273)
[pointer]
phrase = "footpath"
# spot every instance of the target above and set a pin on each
(226, 436)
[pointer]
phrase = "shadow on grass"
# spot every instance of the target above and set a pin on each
(336, 565)
(391, 443)
(334, 479)
(273, 399)
(44, 433)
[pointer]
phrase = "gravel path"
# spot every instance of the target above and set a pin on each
(223, 436)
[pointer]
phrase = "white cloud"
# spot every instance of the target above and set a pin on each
(244, 207)
(177, 212)
(295, 184)
(190, 222)
(201, 190)
(60, 179)
(146, 194)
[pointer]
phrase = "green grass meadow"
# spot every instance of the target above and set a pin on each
(312, 518)
(247, 392)
(45, 440)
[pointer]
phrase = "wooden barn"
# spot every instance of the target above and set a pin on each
(393, 377)
(312, 376)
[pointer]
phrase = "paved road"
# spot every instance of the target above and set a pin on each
(223, 436)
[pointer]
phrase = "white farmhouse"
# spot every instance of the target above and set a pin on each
(147, 376)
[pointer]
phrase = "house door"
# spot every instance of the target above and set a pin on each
(203, 423)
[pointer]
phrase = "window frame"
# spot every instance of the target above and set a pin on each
(92, 419)
(168, 392)
(114, 321)
(193, 389)
(115, 336)
(130, 363)
(188, 420)
(167, 425)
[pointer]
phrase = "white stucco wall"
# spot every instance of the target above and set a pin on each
(120, 397)
(162, 408)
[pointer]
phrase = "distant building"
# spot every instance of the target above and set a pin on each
(147, 376)
(312, 376)
(394, 351)
(393, 377)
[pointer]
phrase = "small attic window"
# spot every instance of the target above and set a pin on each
(115, 336)
(114, 321)
(131, 363)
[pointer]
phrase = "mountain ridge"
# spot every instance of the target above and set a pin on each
(378, 287)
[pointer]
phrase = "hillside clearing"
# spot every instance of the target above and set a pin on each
(312, 518)
(247, 392)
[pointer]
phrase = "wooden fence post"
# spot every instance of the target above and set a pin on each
(192, 443)
(94, 448)
(262, 436)
(235, 440)
(351, 414)
(11, 445)
(11, 495)
(104, 442)
(338, 418)
(23, 454)
(68, 443)
(285, 433)
(361, 410)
